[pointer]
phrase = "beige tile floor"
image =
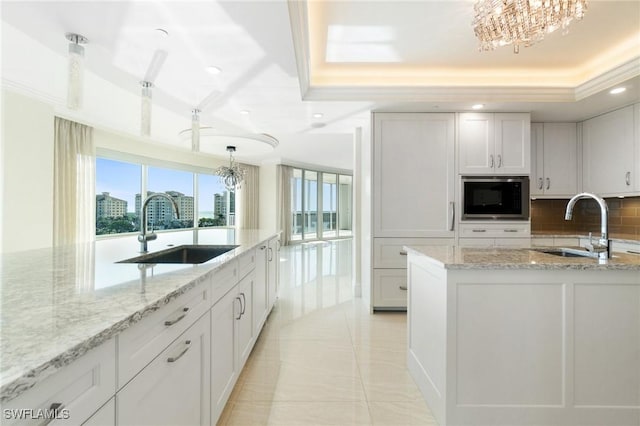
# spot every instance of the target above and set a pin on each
(322, 359)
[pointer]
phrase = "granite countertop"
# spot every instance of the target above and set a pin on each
(519, 258)
(621, 238)
(58, 303)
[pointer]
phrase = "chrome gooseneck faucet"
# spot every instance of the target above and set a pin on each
(601, 249)
(143, 237)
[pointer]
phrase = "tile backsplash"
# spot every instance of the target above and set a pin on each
(547, 216)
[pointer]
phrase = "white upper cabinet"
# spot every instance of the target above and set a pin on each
(611, 153)
(413, 175)
(554, 159)
(494, 144)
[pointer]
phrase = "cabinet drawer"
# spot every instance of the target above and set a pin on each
(140, 344)
(80, 387)
(388, 252)
(246, 263)
(223, 280)
(490, 230)
(389, 288)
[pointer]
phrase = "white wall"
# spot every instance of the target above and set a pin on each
(268, 197)
(27, 173)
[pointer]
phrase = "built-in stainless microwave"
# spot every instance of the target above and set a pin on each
(495, 198)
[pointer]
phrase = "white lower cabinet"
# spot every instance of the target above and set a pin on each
(105, 416)
(390, 288)
(174, 388)
(260, 290)
(77, 390)
(244, 320)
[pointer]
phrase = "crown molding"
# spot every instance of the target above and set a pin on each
(298, 17)
(610, 78)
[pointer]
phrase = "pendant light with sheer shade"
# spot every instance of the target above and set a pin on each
(157, 61)
(75, 84)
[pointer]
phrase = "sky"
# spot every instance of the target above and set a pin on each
(123, 180)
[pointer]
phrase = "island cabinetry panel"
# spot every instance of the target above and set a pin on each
(611, 153)
(260, 289)
(141, 343)
(494, 144)
(554, 159)
(413, 195)
(273, 271)
(525, 346)
(174, 389)
(77, 390)
(106, 415)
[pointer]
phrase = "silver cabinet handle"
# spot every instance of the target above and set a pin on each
(403, 253)
(171, 322)
(548, 183)
(499, 160)
(510, 230)
(56, 406)
(270, 254)
(479, 230)
(491, 160)
(240, 314)
(452, 215)
(184, 351)
(402, 287)
(244, 304)
(627, 178)
(263, 247)
(540, 183)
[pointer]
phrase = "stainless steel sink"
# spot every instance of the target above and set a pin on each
(182, 254)
(565, 252)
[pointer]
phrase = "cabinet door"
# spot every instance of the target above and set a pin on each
(273, 264)
(244, 320)
(512, 144)
(609, 161)
(224, 366)
(260, 289)
(174, 388)
(105, 416)
(477, 144)
(537, 159)
(560, 159)
(413, 175)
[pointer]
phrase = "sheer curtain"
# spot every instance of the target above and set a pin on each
(74, 183)
(283, 177)
(250, 198)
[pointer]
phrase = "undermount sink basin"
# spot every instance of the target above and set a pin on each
(565, 252)
(182, 254)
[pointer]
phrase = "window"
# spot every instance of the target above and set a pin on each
(216, 205)
(201, 198)
(321, 204)
(117, 184)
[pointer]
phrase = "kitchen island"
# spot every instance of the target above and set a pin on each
(520, 337)
(65, 306)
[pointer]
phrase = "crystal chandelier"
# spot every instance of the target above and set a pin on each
(522, 22)
(232, 175)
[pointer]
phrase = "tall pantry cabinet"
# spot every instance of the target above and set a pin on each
(413, 195)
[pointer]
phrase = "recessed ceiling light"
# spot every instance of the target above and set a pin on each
(617, 90)
(478, 106)
(213, 70)
(318, 115)
(162, 32)
(244, 112)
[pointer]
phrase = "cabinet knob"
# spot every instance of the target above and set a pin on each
(402, 287)
(499, 160)
(540, 183)
(548, 183)
(627, 178)
(491, 161)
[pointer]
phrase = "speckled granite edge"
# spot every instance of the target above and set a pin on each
(16, 387)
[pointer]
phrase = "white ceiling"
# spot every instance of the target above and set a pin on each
(344, 58)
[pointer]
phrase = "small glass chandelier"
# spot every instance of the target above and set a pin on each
(233, 175)
(522, 22)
